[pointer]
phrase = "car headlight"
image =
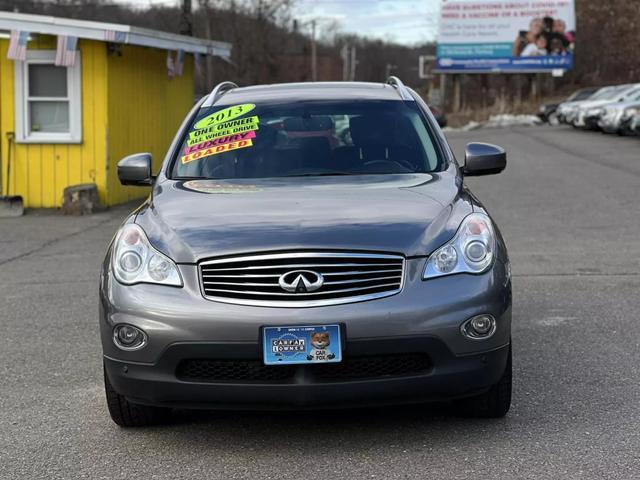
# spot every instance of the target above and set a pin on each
(630, 112)
(134, 260)
(592, 112)
(471, 250)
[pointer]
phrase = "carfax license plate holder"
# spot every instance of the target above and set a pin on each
(296, 345)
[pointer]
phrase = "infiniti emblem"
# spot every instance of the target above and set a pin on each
(301, 281)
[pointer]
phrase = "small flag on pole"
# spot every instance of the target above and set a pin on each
(171, 71)
(18, 45)
(66, 51)
(179, 66)
(114, 36)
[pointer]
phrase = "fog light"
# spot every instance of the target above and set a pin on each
(128, 337)
(479, 327)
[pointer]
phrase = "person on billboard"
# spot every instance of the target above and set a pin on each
(526, 38)
(560, 27)
(557, 45)
(538, 48)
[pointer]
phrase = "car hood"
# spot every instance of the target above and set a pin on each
(408, 214)
(575, 103)
(624, 105)
(594, 104)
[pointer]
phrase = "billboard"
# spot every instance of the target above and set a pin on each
(506, 36)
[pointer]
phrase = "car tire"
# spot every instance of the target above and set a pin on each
(494, 403)
(127, 414)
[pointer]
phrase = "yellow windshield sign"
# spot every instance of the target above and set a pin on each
(224, 115)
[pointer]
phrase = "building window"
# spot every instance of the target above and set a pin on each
(48, 100)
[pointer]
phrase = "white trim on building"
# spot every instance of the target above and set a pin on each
(63, 122)
(99, 31)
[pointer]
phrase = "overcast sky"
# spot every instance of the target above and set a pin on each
(403, 21)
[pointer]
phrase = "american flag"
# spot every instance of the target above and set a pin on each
(66, 51)
(18, 45)
(114, 36)
(171, 71)
(179, 66)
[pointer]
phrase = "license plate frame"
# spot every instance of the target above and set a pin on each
(293, 345)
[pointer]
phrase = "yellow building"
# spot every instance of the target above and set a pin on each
(62, 126)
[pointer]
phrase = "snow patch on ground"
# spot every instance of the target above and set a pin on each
(500, 121)
(507, 120)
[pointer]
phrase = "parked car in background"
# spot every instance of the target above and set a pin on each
(626, 121)
(548, 112)
(610, 120)
(588, 113)
(273, 267)
(566, 110)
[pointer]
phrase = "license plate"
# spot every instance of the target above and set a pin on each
(297, 345)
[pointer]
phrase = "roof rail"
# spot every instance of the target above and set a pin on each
(217, 92)
(402, 90)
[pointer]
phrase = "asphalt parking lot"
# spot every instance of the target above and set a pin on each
(568, 207)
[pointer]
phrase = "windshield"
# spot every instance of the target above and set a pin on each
(580, 95)
(307, 139)
(603, 93)
(632, 95)
(617, 92)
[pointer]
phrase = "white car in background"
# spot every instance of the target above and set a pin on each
(588, 113)
(611, 119)
(566, 110)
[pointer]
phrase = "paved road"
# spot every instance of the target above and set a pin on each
(568, 206)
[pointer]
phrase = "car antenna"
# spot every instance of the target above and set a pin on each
(219, 90)
(402, 89)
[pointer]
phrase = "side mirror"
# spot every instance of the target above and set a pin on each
(483, 159)
(135, 170)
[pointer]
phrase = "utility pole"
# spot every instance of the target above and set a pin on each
(314, 45)
(352, 73)
(185, 19)
(344, 54)
(314, 56)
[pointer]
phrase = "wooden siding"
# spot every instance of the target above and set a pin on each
(40, 172)
(128, 105)
(145, 110)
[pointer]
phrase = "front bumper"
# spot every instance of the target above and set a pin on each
(591, 122)
(578, 119)
(449, 377)
(610, 123)
(425, 317)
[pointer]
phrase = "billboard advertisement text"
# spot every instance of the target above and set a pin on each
(506, 35)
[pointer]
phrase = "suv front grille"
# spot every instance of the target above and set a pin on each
(254, 371)
(232, 371)
(342, 278)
